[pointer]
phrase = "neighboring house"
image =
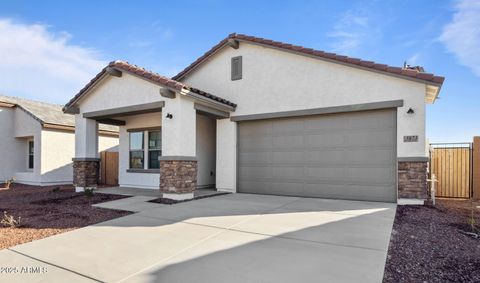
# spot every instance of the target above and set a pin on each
(270, 118)
(37, 142)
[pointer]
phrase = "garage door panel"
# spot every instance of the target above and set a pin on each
(325, 140)
(287, 126)
(350, 156)
(292, 157)
(370, 120)
(288, 142)
(289, 172)
(370, 157)
(251, 172)
(326, 122)
(255, 144)
(264, 157)
(369, 174)
(325, 173)
(326, 157)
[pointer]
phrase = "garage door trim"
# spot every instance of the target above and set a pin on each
(323, 110)
(396, 103)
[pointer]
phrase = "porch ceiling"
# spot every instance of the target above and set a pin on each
(108, 116)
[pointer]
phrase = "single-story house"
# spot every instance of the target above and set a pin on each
(260, 116)
(37, 142)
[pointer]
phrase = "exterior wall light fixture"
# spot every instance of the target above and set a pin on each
(169, 116)
(410, 111)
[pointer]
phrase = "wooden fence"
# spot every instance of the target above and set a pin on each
(452, 166)
(109, 168)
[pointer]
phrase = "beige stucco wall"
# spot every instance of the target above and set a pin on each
(275, 81)
(53, 150)
(138, 180)
(27, 128)
(10, 147)
(206, 150)
(58, 149)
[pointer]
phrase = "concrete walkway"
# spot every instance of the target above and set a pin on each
(229, 238)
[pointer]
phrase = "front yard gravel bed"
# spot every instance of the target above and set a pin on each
(46, 211)
(427, 244)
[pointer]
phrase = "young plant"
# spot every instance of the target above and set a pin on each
(88, 192)
(9, 182)
(471, 219)
(10, 221)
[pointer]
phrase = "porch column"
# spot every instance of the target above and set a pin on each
(178, 164)
(86, 161)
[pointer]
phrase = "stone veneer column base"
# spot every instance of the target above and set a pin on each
(178, 177)
(412, 180)
(85, 173)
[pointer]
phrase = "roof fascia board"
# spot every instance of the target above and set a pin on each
(210, 102)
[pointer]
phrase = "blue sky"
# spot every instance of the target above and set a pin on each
(50, 49)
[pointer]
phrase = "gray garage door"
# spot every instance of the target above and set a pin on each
(345, 156)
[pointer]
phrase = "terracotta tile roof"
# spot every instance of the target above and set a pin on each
(409, 73)
(47, 113)
(148, 75)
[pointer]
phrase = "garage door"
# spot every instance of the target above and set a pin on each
(346, 156)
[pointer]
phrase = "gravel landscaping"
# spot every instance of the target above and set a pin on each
(428, 244)
(46, 211)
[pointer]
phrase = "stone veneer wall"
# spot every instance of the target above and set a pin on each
(178, 176)
(412, 179)
(85, 173)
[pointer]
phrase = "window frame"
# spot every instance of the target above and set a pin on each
(149, 151)
(146, 151)
(30, 154)
(130, 150)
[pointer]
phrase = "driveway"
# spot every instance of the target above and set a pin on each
(229, 238)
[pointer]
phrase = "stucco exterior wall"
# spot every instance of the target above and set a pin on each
(138, 180)
(275, 80)
(226, 178)
(27, 128)
(58, 149)
(11, 149)
(206, 150)
(113, 92)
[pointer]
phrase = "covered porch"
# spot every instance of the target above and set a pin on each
(168, 131)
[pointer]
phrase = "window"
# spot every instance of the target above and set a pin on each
(30, 155)
(154, 149)
(236, 68)
(136, 150)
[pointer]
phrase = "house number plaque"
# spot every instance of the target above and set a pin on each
(410, 138)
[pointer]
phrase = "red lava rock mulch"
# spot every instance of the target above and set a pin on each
(46, 211)
(172, 201)
(427, 245)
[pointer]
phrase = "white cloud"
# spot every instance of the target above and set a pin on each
(462, 35)
(40, 64)
(351, 31)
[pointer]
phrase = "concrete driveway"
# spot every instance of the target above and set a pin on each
(230, 238)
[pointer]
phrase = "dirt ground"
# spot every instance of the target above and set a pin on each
(427, 244)
(46, 211)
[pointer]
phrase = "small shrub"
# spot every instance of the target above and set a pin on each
(56, 190)
(10, 221)
(88, 192)
(471, 219)
(9, 182)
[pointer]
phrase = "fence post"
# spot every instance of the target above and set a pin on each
(476, 168)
